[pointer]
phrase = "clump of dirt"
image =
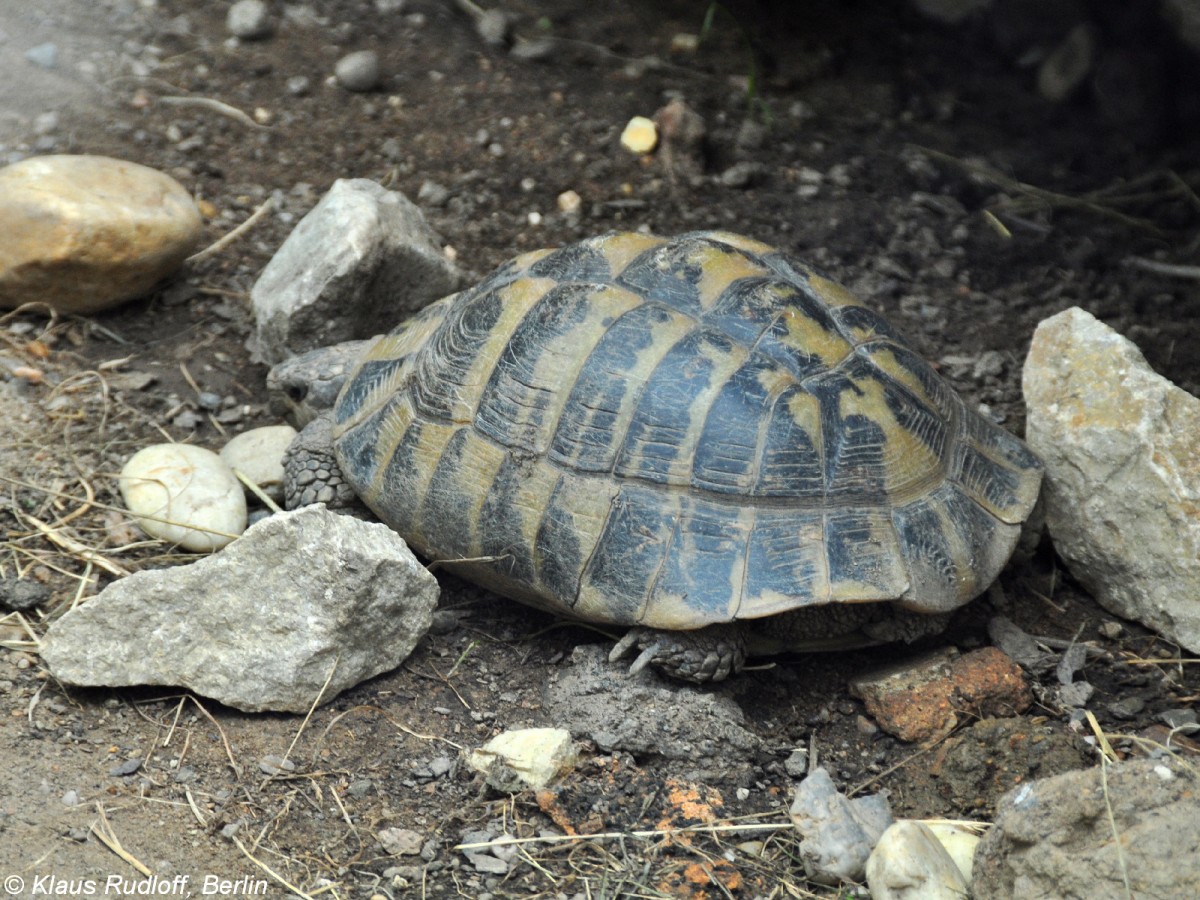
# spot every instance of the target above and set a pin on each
(912, 162)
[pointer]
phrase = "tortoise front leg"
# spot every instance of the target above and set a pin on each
(706, 654)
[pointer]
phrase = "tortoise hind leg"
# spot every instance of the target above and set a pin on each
(706, 654)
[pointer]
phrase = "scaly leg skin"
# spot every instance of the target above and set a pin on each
(704, 655)
(311, 471)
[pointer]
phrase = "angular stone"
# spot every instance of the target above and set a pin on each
(1109, 832)
(1121, 446)
(85, 233)
(524, 758)
(837, 833)
(921, 699)
(360, 262)
(300, 598)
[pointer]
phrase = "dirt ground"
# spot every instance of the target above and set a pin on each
(914, 162)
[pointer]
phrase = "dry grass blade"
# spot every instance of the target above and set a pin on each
(74, 547)
(104, 833)
(222, 242)
(216, 106)
(647, 834)
(262, 865)
(307, 718)
(1101, 203)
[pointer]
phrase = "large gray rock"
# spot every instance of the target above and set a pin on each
(1079, 836)
(261, 625)
(84, 233)
(1121, 446)
(648, 716)
(360, 262)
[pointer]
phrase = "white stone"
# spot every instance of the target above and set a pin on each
(249, 19)
(258, 455)
(359, 71)
(185, 495)
(524, 758)
(640, 135)
(959, 842)
(303, 606)
(84, 233)
(1121, 446)
(1066, 68)
(909, 863)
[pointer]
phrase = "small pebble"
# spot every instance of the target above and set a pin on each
(44, 55)
(569, 203)
(128, 767)
(275, 765)
(1111, 630)
(70, 798)
(493, 27)
(400, 841)
(432, 194)
(358, 71)
(249, 20)
(299, 85)
(640, 135)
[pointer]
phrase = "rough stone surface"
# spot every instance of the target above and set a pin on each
(1121, 446)
(837, 833)
(360, 262)
(922, 699)
(1077, 836)
(331, 595)
(648, 716)
(909, 863)
(184, 494)
(524, 758)
(85, 233)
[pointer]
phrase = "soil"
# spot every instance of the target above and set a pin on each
(1019, 209)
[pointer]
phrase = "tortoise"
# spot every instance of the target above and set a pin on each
(701, 438)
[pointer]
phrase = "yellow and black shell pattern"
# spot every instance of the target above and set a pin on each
(677, 432)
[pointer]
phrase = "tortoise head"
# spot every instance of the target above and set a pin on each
(307, 385)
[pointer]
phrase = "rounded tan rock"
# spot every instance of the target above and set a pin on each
(85, 233)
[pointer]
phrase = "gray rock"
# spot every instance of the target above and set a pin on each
(360, 262)
(1121, 446)
(1078, 836)
(837, 833)
(648, 716)
(331, 598)
(358, 71)
(249, 20)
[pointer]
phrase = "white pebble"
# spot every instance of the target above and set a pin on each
(249, 20)
(185, 495)
(524, 757)
(258, 454)
(640, 135)
(358, 71)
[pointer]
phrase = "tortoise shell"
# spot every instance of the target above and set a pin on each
(672, 433)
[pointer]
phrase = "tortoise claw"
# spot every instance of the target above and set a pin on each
(707, 654)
